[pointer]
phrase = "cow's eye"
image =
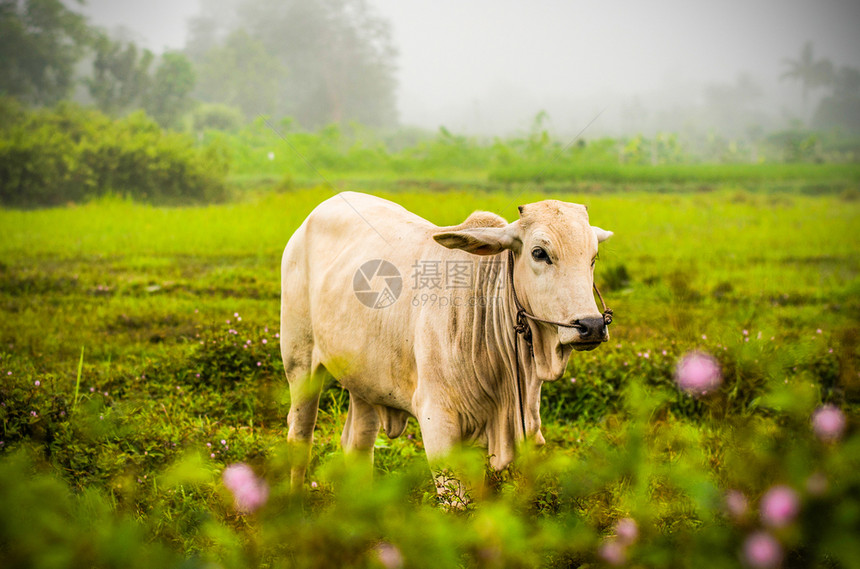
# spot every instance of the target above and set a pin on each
(593, 262)
(538, 254)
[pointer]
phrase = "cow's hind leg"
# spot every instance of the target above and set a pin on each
(305, 389)
(360, 430)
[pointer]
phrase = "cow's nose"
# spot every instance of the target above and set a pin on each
(591, 329)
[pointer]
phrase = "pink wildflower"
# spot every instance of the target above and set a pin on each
(762, 551)
(627, 530)
(389, 555)
(779, 506)
(249, 492)
(698, 373)
(613, 552)
(736, 504)
(828, 422)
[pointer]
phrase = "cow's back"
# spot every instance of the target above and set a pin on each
(366, 344)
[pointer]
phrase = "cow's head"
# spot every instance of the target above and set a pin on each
(555, 249)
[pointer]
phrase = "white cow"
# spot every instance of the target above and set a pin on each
(418, 320)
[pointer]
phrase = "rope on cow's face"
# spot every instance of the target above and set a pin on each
(522, 328)
(523, 316)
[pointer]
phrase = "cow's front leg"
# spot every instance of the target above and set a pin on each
(360, 430)
(442, 435)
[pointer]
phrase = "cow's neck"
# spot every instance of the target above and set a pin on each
(509, 365)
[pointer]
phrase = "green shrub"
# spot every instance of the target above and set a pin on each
(213, 116)
(69, 154)
(44, 524)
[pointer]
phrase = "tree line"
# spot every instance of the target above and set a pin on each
(840, 107)
(321, 62)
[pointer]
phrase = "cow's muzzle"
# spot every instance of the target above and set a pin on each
(591, 332)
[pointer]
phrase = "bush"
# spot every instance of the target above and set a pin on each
(45, 525)
(69, 154)
(216, 117)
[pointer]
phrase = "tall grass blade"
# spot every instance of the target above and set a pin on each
(78, 380)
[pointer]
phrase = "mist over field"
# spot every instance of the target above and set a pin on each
(488, 67)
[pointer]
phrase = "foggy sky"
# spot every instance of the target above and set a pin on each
(488, 66)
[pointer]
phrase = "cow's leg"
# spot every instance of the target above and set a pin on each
(441, 434)
(305, 389)
(302, 366)
(360, 430)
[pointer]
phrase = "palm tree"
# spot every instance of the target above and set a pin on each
(810, 72)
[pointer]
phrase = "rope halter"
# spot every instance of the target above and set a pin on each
(523, 316)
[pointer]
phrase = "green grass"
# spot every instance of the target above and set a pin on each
(767, 282)
(262, 154)
(815, 176)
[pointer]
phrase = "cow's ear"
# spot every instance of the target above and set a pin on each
(482, 240)
(602, 234)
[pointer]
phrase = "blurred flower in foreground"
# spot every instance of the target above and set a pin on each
(627, 530)
(736, 504)
(389, 555)
(613, 552)
(817, 484)
(779, 506)
(698, 373)
(762, 551)
(249, 491)
(614, 549)
(828, 422)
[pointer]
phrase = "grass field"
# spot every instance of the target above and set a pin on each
(138, 352)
